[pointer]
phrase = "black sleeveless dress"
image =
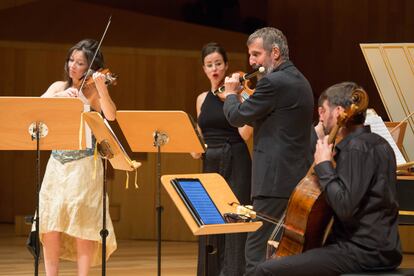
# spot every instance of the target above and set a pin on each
(228, 155)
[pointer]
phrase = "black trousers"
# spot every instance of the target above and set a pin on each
(257, 241)
(329, 260)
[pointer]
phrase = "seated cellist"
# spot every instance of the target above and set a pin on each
(360, 189)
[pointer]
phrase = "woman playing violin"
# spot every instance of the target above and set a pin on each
(226, 154)
(361, 190)
(95, 91)
(71, 194)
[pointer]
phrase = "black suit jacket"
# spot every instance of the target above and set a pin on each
(281, 112)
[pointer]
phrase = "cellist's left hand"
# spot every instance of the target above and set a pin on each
(323, 150)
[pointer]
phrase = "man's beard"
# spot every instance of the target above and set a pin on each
(329, 125)
(268, 70)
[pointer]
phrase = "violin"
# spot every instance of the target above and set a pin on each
(308, 217)
(89, 93)
(110, 78)
(245, 92)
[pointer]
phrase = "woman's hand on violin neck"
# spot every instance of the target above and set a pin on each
(99, 80)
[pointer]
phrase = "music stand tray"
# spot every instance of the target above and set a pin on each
(220, 193)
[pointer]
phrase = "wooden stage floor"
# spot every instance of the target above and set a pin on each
(131, 258)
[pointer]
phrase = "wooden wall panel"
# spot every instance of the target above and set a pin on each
(49, 21)
(5, 4)
(324, 37)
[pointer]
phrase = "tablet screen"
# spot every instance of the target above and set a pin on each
(199, 201)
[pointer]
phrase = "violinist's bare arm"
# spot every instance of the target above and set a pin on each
(57, 89)
(107, 106)
(199, 103)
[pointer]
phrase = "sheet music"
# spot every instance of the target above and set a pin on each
(198, 199)
(377, 126)
(114, 136)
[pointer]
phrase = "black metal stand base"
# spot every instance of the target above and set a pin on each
(104, 232)
(37, 135)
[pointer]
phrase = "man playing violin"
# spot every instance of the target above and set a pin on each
(281, 111)
(361, 190)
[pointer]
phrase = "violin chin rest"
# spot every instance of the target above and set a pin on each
(275, 244)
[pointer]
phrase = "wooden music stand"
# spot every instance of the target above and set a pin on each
(221, 194)
(19, 112)
(36, 124)
(149, 131)
(140, 127)
(112, 150)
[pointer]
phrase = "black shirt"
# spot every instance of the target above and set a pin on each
(362, 193)
(214, 126)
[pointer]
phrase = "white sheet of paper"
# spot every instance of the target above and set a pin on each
(377, 126)
(116, 138)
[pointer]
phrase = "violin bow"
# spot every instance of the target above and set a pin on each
(96, 52)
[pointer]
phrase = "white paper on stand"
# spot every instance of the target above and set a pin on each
(378, 126)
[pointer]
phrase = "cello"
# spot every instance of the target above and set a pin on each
(308, 215)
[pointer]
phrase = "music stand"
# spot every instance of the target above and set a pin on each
(221, 194)
(112, 150)
(148, 131)
(36, 124)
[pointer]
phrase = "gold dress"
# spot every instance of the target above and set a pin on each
(71, 202)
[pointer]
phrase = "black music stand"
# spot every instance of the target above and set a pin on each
(36, 124)
(110, 149)
(149, 131)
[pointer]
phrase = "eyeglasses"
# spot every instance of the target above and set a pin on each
(211, 66)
